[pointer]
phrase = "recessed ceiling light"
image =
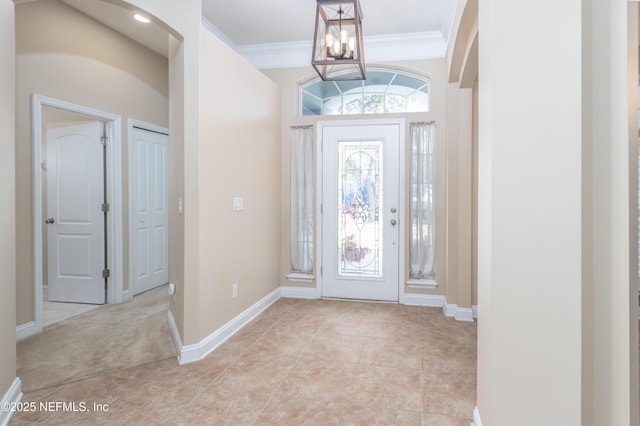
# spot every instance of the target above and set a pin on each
(141, 18)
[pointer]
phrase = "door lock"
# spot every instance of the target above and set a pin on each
(49, 220)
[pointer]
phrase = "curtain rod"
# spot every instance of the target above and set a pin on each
(418, 123)
(302, 127)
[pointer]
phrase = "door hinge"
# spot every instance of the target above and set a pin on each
(321, 271)
(104, 140)
(105, 207)
(106, 273)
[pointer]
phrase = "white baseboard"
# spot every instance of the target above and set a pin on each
(436, 301)
(460, 314)
(476, 418)
(126, 295)
(299, 292)
(26, 330)
(431, 300)
(196, 352)
(13, 395)
(175, 334)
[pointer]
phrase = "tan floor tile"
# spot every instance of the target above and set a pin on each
(240, 342)
(448, 393)
(345, 307)
(391, 388)
(453, 358)
(319, 380)
(302, 362)
(145, 371)
(230, 405)
(440, 420)
(368, 416)
(257, 371)
(201, 373)
(283, 409)
(148, 396)
(450, 332)
(79, 398)
(391, 353)
(335, 347)
(395, 312)
(280, 341)
(347, 326)
(398, 330)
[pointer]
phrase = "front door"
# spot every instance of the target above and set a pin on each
(74, 216)
(149, 180)
(360, 209)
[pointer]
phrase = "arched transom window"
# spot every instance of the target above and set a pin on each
(384, 91)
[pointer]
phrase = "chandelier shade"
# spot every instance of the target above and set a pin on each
(338, 48)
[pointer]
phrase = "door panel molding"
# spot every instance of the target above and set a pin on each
(134, 234)
(75, 193)
(114, 195)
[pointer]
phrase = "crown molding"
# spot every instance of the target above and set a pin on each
(215, 31)
(388, 48)
(384, 48)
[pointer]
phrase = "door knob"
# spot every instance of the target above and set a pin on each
(393, 222)
(49, 220)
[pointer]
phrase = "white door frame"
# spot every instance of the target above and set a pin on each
(320, 125)
(132, 214)
(114, 195)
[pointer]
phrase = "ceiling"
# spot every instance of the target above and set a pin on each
(278, 21)
(251, 26)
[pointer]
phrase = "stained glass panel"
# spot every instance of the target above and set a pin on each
(359, 214)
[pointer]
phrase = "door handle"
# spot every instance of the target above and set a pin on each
(393, 222)
(49, 220)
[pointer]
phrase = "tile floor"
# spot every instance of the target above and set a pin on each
(53, 312)
(315, 362)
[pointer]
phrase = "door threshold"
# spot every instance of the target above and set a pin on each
(346, 299)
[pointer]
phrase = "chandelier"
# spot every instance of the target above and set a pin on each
(338, 50)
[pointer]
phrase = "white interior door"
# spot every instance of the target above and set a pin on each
(360, 210)
(149, 180)
(75, 220)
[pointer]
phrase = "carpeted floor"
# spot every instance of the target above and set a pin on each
(111, 337)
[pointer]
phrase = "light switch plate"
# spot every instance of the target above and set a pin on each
(238, 204)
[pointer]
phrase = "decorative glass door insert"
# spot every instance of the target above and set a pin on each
(360, 218)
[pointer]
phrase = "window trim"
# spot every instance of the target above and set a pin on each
(396, 72)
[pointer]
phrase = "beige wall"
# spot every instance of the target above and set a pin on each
(474, 203)
(239, 157)
(7, 194)
(183, 21)
(289, 80)
(102, 70)
(529, 271)
(462, 142)
(557, 340)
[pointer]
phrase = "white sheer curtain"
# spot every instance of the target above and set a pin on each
(422, 215)
(301, 199)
